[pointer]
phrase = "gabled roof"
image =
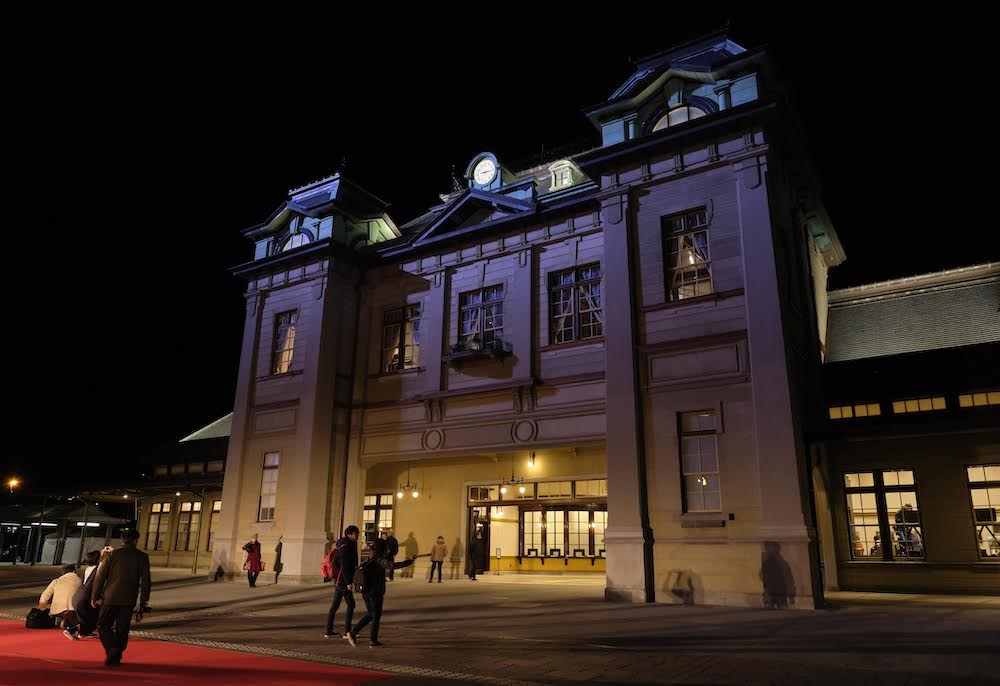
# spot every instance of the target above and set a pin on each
(220, 428)
(950, 309)
(461, 213)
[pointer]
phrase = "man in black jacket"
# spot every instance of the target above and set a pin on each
(374, 594)
(475, 554)
(121, 578)
(346, 562)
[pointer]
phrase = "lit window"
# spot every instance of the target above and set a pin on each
(268, 487)
(918, 405)
(979, 399)
(592, 488)
(213, 523)
(555, 489)
(578, 533)
(284, 341)
(188, 526)
(699, 463)
(850, 411)
(600, 524)
(481, 318)
(555, 531)
(685, 245)
(159, 525)
(532, 538)
(401, 339)
(678, 115)
(575, 304)
(377, 515)
(984, 489)
(890, 496)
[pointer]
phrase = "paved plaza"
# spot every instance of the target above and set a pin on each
(558, 630)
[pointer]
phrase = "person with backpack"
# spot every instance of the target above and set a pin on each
(339, 566)
(370, 580)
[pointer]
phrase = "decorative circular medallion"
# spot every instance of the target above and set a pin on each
(524, 431)
(433, 440)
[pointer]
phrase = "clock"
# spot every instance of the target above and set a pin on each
(484, 172)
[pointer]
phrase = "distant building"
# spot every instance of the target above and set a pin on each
(908, 462)
(181, 502)
(606, 363)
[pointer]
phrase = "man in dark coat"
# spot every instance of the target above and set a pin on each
(475, 554)
(121, 579)
(346, 561)
(380, 563)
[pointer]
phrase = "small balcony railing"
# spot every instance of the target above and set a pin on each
(466, 351)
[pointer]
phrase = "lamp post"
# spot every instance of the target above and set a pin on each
(13, 483)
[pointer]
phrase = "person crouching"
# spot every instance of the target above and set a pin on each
(373, 590)
(58, 598)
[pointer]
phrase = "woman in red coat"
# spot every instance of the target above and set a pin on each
(252, 562)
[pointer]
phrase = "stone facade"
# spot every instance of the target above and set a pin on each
(740, 351)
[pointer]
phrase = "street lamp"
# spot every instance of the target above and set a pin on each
(12, 484)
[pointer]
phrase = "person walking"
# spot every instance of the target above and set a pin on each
(373, 591)
(393, 544)
(438, 553)
(58, 598)
(277, 560)
(81, 598)
(121, 579)
(475, 554)
(345, 562)
(252, 560)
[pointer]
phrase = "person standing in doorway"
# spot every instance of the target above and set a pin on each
(475, 553)
(345, 562)
(121, 579)
(393, 545)
(252, 560)
(438, 553)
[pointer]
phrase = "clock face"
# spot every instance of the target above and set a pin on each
(484, 172)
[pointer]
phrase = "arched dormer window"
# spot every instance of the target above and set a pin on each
(679, 115)
(294, 241)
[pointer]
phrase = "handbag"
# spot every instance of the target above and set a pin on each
(39, 619)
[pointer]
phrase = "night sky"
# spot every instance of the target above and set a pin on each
(138, 146)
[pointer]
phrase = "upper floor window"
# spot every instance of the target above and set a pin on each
(481, 317)
(678, 115)
(294, 241)
(685, 246)
(268, 487)
(575, 304)
(284, 341)
(918, 405)
(401, 338)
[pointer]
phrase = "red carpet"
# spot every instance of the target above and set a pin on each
(45, 656)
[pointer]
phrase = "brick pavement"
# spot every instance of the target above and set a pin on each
(559, 630)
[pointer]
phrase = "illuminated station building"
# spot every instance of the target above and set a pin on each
(608, 364)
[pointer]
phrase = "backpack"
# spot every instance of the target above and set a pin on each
(364, 576)
(330, 569)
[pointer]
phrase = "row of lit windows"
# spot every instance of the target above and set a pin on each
(883, 514)
(188, 526)
(912, 405)
(542, 490)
